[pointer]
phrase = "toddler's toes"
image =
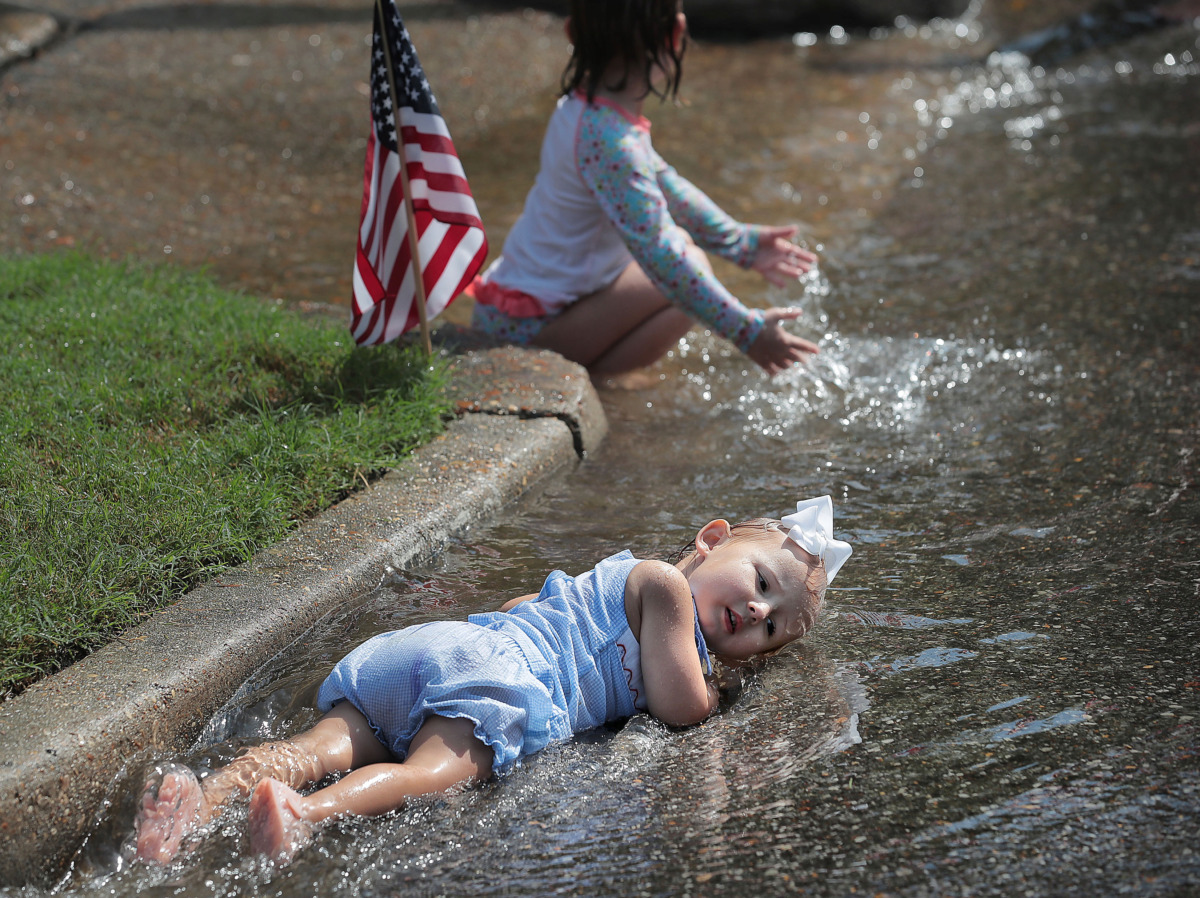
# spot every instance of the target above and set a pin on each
(170, 811)
(277, 827)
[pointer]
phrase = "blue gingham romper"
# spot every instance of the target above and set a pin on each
(551, 667)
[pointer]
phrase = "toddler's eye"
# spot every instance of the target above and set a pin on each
(770, 627)
(762, 583)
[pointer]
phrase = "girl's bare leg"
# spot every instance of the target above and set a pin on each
(341, 740)
(644, 345)
(445, 753)
(625, 326)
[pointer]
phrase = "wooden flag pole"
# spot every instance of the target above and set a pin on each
(413, 237)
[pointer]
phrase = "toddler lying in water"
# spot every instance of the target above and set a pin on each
(440, 705)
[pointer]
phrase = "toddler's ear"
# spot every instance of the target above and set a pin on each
(711, 535)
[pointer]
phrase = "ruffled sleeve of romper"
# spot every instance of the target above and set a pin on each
(622, 170)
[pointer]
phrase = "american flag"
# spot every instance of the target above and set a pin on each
(452, 245)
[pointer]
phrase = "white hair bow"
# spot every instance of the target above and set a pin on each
(811, 528)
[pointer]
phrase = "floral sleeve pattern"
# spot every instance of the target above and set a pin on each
(622, 171)
(710, 226)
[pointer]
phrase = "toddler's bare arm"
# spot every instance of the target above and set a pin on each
(677, 691)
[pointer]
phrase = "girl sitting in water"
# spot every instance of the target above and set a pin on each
(606, 264)
(439, 705)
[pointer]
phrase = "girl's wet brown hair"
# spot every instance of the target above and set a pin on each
(638, 33)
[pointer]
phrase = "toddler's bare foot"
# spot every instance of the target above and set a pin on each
(277, 828)
(168, 814)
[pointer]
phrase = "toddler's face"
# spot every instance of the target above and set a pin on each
(750, 591)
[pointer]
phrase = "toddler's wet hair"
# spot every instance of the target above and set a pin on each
(751, 527)
(638, 33)
(816, 582)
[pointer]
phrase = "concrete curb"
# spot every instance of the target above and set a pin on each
(23, 32)
(155, 687)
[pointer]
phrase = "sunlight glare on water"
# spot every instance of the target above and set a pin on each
(862, 385)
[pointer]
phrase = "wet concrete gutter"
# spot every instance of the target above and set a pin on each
(524, 415)
(23, 31)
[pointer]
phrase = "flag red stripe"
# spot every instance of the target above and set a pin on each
(429, 143)
(366, 229)
(435, 266)
(437, 180)
(399, 256)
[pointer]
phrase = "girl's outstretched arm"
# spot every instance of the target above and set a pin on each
(624, 174)
(622, 171)
(659, 603)
(709, 225)
(767, 249)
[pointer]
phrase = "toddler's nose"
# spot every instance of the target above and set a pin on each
(758, 611)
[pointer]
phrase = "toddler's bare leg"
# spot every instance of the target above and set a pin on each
(341, 740)
(444, 753)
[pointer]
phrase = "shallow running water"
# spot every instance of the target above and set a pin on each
(1002, 697)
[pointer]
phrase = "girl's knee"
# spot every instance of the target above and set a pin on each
(343, 740)
(449, 750)
(699, 257)
(678, 318)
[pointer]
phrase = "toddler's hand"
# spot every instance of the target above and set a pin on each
(778, 259)
(774, 349)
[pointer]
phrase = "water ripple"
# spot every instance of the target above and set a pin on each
(898, 620)
(934, 657)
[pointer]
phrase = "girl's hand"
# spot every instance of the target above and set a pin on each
(774, 349)
(778, 259)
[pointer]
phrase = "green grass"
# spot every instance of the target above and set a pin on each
(156, 429)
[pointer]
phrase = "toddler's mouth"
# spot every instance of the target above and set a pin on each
(731, 620)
